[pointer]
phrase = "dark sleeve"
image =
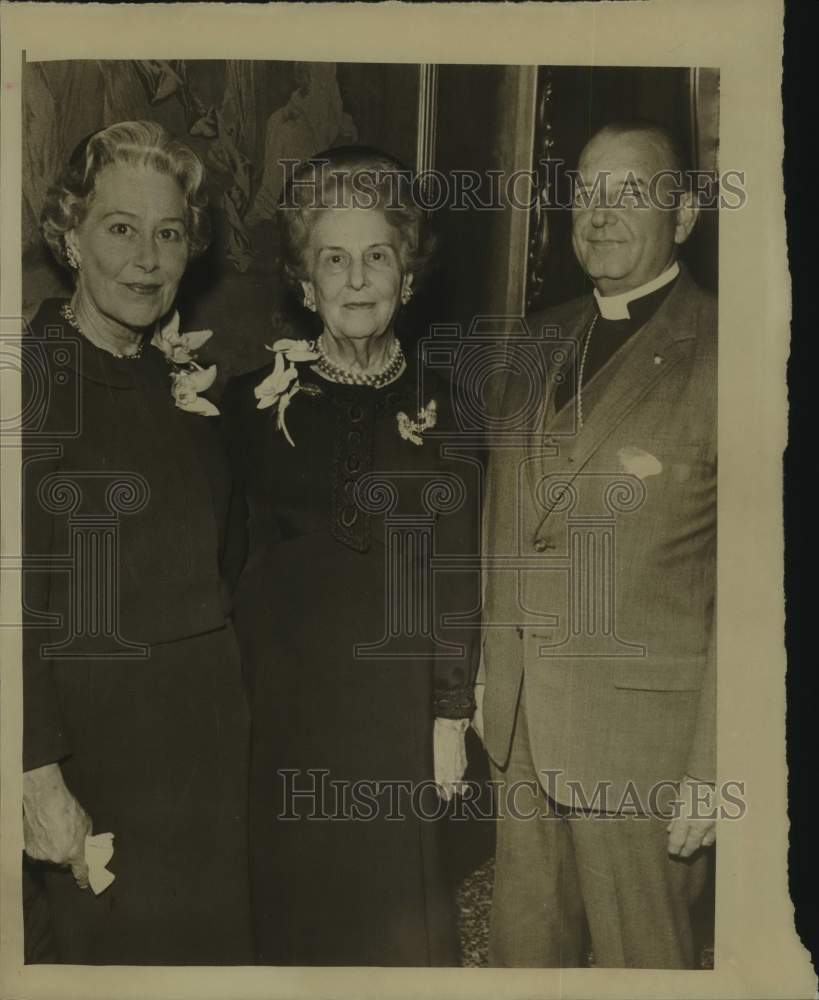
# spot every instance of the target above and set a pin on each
(44, 737)
(457, 591)
(235, 541)
(702, 758)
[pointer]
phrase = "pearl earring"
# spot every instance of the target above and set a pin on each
(71, 256)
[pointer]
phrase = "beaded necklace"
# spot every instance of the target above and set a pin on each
(67, 314)
(391, 369)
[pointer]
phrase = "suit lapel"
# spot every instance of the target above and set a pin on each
(527, 445)
(544, 438)
(563, 423)
(643, 361)
(528, 452)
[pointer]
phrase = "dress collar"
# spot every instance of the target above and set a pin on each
(616, 306)
(89, 361)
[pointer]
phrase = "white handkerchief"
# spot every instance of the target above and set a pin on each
(99, 850)
(639, 463)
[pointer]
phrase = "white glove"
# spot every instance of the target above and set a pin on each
(477, 718)
(449, 754)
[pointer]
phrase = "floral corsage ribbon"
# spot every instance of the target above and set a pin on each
(282, 384)
(411, 430)
(188, 379)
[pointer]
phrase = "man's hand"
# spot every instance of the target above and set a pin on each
(695, 825)
(449, 754)
(55, 825)
(477, 718)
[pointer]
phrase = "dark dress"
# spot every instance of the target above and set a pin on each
(355, 880)
(135, 686)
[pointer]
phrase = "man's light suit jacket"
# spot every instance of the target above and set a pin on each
(600, 561)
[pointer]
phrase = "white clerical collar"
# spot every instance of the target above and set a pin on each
(616, 306)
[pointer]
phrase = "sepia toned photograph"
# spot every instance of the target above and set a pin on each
(313, 528)
(368, 428)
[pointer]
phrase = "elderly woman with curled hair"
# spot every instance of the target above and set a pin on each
(135, 721)
(360, 687)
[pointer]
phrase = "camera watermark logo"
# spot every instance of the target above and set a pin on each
(46, 367)
(480, 362)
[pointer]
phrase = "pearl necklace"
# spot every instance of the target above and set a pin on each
(67, 314)
(580, 374)
(392, 368)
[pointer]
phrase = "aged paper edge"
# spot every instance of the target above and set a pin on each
(757, 951)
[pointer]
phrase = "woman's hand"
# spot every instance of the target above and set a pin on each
(55, 825)
(449, 753)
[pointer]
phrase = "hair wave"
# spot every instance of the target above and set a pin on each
(138, 143)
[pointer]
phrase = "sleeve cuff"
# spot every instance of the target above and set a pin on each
(454, 704)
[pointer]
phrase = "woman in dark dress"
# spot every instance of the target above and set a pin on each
(136, 722)
(360, 696)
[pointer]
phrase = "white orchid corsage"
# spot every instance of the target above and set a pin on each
(190, 379)
(186, 388)
(282, 384)
(179, 348)
(411, 430)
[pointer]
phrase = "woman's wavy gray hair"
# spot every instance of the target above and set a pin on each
(142, 144)
(352, 177)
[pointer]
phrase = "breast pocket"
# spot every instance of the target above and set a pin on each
(661, 674)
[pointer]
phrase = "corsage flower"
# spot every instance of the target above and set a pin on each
(411, 430)
(188, 379)
(186, 386)
(179, 348)
(282, 384)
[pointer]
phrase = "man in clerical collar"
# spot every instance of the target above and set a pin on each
(597, 705)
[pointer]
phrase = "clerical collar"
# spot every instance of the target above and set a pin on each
(616, 306)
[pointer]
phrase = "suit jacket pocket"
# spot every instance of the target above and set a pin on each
(661, 673)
